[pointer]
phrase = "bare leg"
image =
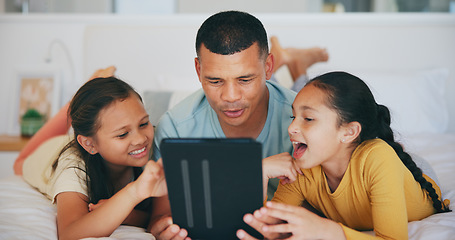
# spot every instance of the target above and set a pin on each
(298, 60)
(280, 55)
(302, 59)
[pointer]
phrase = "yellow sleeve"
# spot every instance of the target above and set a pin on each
(290, 193)
(353, 234)
(384, 176)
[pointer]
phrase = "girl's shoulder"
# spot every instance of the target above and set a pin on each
(375, 146)
(71, 157)
(44, 156)
(374, 153)
(39, 170)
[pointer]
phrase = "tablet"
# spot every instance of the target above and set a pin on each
(212, 184)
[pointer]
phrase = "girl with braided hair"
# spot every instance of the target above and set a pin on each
(354, 172)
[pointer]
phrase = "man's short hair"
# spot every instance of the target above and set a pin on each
(231, 32)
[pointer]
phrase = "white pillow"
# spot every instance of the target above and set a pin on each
(415, 99)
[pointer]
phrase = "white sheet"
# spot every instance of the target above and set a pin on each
(439, 151)
(26, 214)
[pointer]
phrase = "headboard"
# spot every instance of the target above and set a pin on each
(157, 52)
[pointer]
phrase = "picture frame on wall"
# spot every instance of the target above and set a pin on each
(36, 99)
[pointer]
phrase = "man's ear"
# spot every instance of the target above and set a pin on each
(269, 63)
(197, 65)
(87, 144)
(352, 132)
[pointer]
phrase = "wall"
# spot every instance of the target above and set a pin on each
(157, 52)
(253, 6)
(356, 42)
(24, 44)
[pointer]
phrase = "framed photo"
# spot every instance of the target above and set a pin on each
(37, 89)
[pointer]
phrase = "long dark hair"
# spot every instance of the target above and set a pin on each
(353, 101)
(84, 109)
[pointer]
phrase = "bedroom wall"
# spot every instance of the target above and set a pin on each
(24, 44)
(401, 43)
(94, 41)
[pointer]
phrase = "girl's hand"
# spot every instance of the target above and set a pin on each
(164, 229)
(151, 183)
(257, 220)
(298, 221)
(92, 206)
(281, 166)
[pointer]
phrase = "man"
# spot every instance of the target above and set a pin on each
(236, 100)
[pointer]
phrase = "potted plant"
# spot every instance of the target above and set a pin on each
(31, 122)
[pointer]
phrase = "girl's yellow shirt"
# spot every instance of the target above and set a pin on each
(377, 193)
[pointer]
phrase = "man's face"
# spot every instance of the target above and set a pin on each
(235, 85)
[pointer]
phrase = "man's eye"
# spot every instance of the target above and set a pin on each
(144, 124)
(214, 82)
(292, 117)
(309, 119)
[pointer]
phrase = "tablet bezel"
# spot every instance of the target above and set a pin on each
(225, 173)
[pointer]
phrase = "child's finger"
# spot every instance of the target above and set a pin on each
(160, 162)
(152, 167)
(241, 234)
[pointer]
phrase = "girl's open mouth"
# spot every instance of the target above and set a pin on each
(299, 149)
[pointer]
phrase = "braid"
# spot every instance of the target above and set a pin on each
(354, 101)
(385, 133)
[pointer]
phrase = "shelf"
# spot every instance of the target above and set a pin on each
(12, 143)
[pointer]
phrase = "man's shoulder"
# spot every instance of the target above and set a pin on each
(192, 117)
(189, 116)
(189, 106)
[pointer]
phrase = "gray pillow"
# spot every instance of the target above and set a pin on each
(156, 104)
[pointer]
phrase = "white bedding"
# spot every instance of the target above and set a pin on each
(26, 214)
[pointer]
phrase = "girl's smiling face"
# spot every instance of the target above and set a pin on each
(125, 135)
(314, 132)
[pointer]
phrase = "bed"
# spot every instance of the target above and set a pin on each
(26, 214)
(417, 85)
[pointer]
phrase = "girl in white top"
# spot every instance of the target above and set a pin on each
(97, 180)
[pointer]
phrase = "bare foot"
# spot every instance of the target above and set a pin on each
(302, 59)
(280, 55)
(104, 72)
